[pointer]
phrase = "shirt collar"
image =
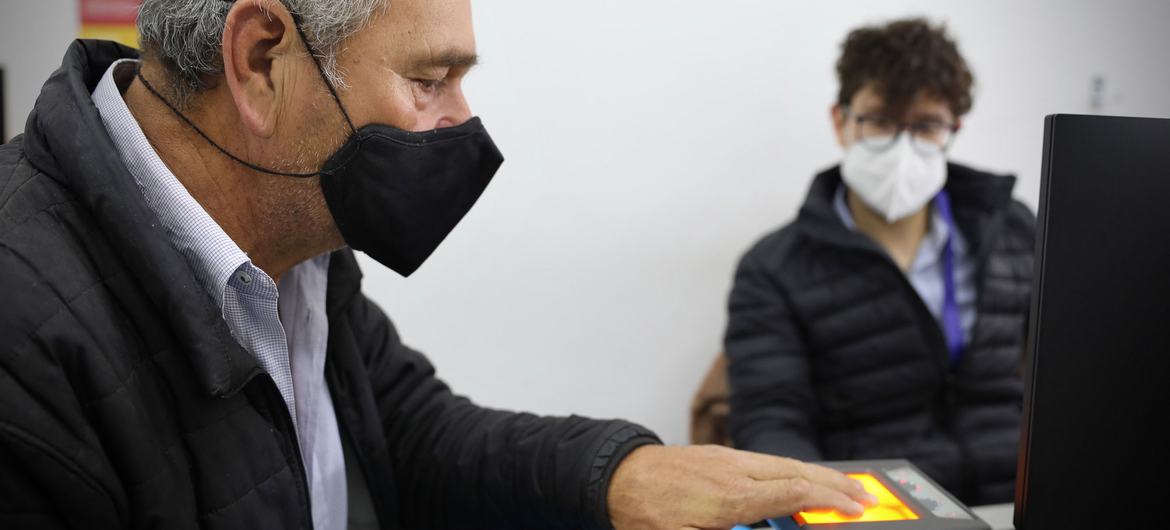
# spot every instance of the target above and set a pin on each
(212, 254)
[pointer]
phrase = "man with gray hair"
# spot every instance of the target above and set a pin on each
(183, 339)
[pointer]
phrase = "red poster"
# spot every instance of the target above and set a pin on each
(110, 20)
(109, 11)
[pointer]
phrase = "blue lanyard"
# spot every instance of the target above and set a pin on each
(952, 323)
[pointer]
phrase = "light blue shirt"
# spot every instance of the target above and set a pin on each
(283, 325)
(926, 272)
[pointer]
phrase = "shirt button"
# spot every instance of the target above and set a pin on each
(243, 277)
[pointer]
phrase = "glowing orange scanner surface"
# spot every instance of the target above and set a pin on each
(888, 508)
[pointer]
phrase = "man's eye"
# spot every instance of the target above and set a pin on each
(928, 127)
(880, 124)
(428, 85)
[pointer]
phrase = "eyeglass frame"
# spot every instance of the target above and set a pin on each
(933, 148)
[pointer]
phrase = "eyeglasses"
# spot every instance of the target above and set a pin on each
(879, 133)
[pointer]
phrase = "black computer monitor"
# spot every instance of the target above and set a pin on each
(1094, 444)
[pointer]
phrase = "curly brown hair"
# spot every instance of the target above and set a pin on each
(900, 60)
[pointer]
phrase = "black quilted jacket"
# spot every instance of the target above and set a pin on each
(834, 356)
(125, 403)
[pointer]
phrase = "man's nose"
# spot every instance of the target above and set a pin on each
(456, 111)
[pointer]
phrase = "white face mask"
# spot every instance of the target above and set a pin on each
(895, 182)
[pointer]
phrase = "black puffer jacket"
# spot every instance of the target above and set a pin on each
(125, 402)
(834, 356)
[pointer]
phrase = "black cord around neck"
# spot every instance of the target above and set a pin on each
(150, 88)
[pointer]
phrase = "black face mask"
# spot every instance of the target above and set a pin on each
(395, 194)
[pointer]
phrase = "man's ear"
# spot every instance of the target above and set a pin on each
(837, 114)
(260, 46)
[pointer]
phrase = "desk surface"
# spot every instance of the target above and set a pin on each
(999, 516)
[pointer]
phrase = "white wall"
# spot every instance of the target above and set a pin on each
(649, 144)
(33, 37)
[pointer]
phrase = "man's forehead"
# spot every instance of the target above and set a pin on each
(431, 32)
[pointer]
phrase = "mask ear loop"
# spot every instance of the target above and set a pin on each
(320, 71)
(332, 91)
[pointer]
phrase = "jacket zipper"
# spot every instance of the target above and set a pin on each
(346, 431)
(939, 339)
(289, 431)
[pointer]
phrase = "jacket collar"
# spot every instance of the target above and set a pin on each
(65, 139)
(979, 199)
(345, 283)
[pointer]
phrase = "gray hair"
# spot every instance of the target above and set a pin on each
(186, 36)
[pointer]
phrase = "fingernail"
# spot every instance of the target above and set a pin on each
(857, 509)
(871, 498)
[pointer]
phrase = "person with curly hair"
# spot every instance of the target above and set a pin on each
(887, 320)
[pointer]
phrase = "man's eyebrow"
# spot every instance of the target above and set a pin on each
(447, 59)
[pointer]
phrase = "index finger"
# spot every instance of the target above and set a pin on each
(781, 498)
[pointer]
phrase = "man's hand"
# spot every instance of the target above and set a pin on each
(716, 487)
